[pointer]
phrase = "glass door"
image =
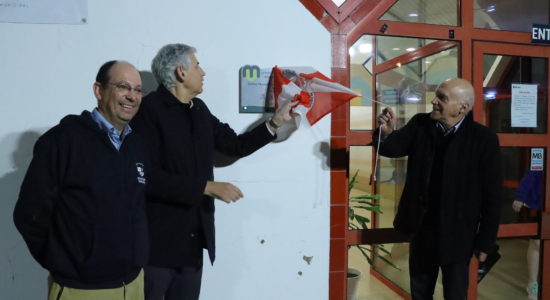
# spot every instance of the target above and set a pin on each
(401, 73)
(511, 83)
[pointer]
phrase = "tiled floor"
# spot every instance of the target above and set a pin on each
(506, 281)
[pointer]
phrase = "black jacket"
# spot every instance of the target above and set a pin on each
(81, 208)
(182, 141)
(470, 186)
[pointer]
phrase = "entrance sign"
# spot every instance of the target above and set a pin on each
(537, 159)
(540, 34)
(524, 105)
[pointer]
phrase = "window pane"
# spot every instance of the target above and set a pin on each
(509, 277)
(521, 183)
(368, 286)
(390, 182)
(361, 56)
(439, 12)
(500, 72)
(434, 68)
(360, 168)
(388, 47)
(510, 15)
(398, 273)
(338, 2)
(408, 90)
(507, 280)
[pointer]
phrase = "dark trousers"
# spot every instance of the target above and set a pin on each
(424, 268)
(172, 284)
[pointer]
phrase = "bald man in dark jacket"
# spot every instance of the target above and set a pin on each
(450, 202)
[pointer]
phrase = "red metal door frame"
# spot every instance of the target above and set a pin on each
(346, 25)
(518, 140)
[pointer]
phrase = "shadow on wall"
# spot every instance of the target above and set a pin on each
(283, 134)
(21, 276)
(322, 151)
(148, 82)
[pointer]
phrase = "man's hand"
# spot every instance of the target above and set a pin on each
(482, 256)
(386, 120)
(283, 114)
(224, 191)
(517, 205)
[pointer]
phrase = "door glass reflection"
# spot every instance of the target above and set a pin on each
(524, 183)
(510, 277)
(500, 73)
(360, 166)
(361, 81)
(439, 12)
(510, 15)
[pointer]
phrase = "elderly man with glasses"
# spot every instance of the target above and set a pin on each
(81, 206)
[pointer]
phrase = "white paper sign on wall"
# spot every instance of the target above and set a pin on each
(44, 11)
(524, 105)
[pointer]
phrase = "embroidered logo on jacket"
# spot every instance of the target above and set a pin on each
(141, 173)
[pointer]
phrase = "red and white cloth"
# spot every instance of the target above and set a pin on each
(317, 94)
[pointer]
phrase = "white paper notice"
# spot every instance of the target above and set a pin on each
(524, 105)
(44, 11)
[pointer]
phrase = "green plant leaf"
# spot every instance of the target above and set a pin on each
(352, 181)
(389, 262)
(381, 248)
(365, 249)
(366, 255)
(355, 204)
(371, 196)
(362, 219)
(370, 205)
(370, 208)
(355, 215)
(363, 201)
(353, 226)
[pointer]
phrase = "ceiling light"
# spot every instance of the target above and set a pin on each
(410, 49)
(413, 15)
(365, 48)
(413, 98)
(490, 95)
(491, 8)
(396, 49)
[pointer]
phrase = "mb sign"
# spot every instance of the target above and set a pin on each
(540, 34)
(537, 159)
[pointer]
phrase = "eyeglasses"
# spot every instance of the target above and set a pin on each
(126, 88)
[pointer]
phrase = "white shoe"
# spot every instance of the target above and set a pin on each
(533, 290)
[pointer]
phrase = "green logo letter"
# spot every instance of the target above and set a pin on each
(251, 73)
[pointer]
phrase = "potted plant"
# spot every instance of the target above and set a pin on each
(359, 211)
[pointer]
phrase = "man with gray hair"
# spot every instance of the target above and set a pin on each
(450, 203)
(183, 135)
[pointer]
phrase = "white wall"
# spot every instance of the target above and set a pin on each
(46, 72)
